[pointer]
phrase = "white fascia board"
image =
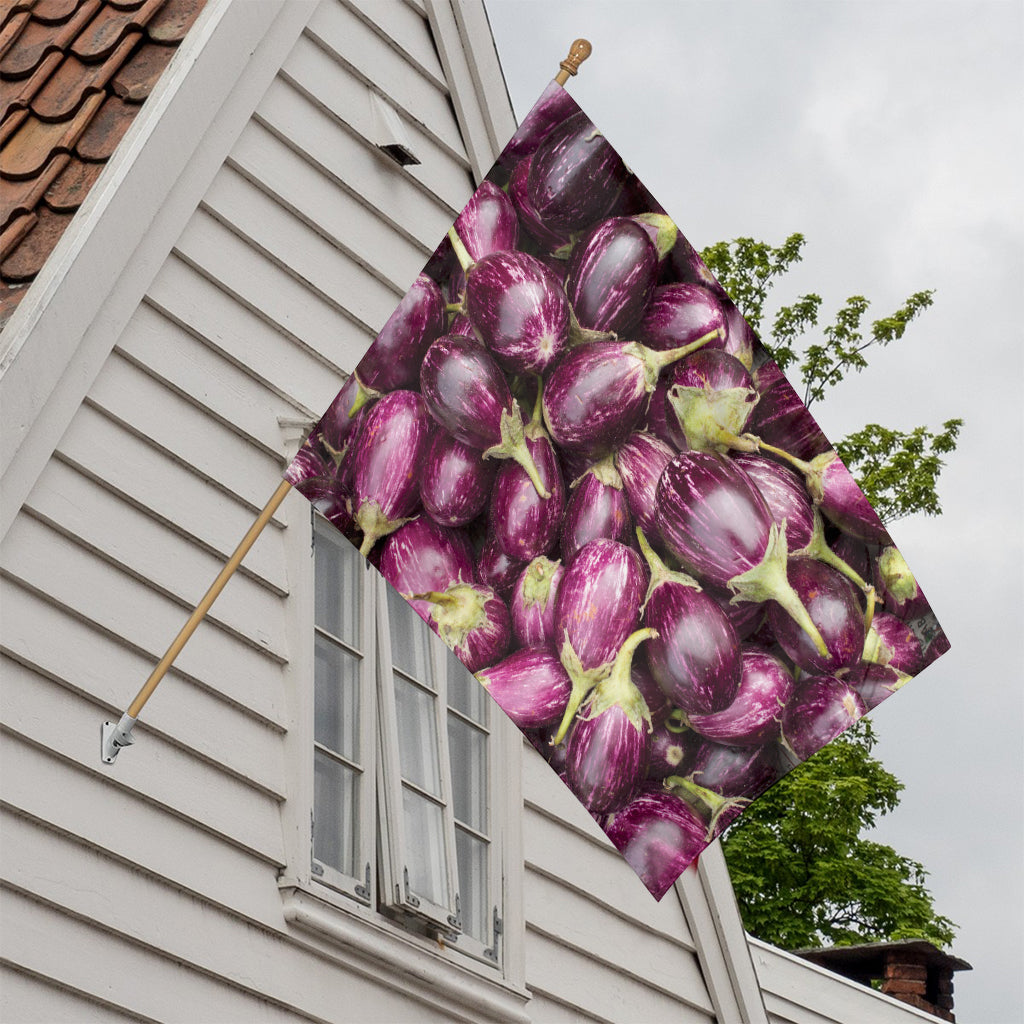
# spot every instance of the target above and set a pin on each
(58, 339)
(469, 58)
(709, 904)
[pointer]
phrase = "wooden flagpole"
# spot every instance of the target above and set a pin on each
(115, 736)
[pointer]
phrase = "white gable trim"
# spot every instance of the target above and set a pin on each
(67, 323)
(709, 903)
(479, 95)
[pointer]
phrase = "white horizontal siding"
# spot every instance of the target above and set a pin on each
(596, 939)
(798, 992)
(28, 999)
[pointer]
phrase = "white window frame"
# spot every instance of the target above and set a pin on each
(322, 907)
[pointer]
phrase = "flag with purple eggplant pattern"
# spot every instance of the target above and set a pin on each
(568, 450)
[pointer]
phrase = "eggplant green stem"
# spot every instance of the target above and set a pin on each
(817, 547)
(690, 791)
(660, 572)
(461, 252)
(663, 359)
(869, 611)
(804, 467)
(513, 446)
(768, 581)
(617, 689)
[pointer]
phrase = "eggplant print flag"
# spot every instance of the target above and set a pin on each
(568, 450)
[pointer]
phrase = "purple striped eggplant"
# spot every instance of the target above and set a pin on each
(832, 603)
(597, 608)
(740, 339)
(657, 703)
(660, 229)
(695, 657)
(666, 750)
(710, 399)
(391, 447)
(497, 569)
(640, 461)
(752, 719)
(522, 523)
(530, 686)
(833, 489)
(422, 556)
(606, 756)
(455, 482)
(679, 314)
(659, 835)
(655, 421)
(532, 604)
(393, 361)
(529, 218)
(519, 311)
(890, 641)
(337, 426)
(466, 393)
(575, 176)
(896, 585)
(554, 107)
(784, 494)
(876, 682)
(821, 708)
(688, 267)
(316, 478)
(598, 392)
(472, 620)
(488, 222)
(597, 508)
(722, 779)
(781, 418)
(746, 616)
(611, 276)
(713, 520)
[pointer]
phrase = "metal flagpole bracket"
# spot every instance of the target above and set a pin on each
(115, 736)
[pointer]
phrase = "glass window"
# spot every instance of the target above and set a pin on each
(403, 793)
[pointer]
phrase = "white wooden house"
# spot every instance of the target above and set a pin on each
(257, 855)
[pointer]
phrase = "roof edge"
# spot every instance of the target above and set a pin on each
(57, 340)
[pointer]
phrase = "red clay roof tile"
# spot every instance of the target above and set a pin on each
(28, 150)
(135, 81)
(106, 129)
(72, 186)
(73, 74)
(22, 196)
(11, 30)
(53, 11)
(12, 235)
(28, 258)
(38, 39)
(174, 20)
(69, 84)
(20, 94)
(99, 38)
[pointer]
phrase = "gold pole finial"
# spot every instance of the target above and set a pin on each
(578, 53)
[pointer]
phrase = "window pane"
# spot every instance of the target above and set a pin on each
(467, 749)
(464, 691)
(335, 814)
(336, 716)
(410, 639)
(472, 857)
(338, 585)
(418, 754)
(424, 839)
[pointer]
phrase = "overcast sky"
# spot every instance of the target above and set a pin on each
(889, 134)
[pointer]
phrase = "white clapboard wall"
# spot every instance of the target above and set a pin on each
(241, 252)
(149, 890)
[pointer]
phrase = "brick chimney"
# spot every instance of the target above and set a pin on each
(912, 970)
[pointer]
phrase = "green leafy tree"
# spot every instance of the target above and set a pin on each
(804, 872)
